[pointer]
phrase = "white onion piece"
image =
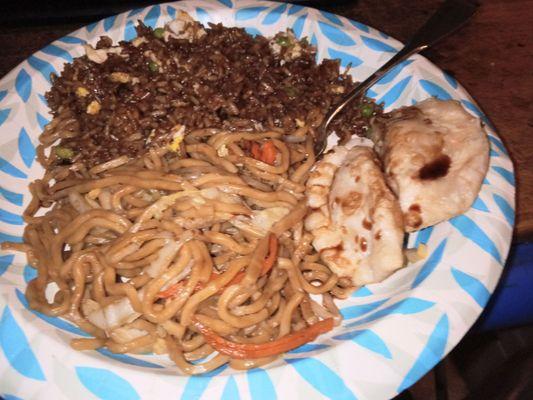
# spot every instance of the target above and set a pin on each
(125, 334)
(111, 316)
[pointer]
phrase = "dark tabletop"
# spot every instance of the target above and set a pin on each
(492, 57)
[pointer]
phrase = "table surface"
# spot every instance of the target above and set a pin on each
(492, 57)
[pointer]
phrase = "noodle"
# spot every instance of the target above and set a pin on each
(114, 243)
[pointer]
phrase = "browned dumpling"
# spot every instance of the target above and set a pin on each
(356, 221)
(435, 156)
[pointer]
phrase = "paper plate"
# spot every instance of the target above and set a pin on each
(392, 332)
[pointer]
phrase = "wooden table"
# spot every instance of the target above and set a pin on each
(492, 57)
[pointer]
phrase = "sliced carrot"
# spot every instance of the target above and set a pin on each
(250, 350)
(256, 150)
(172, 290)
(268, 263)
(272, 256)
(266, 153)
(269, 153)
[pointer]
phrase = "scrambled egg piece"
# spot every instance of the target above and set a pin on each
(177, 138)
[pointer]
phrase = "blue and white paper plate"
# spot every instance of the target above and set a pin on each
(392, 333)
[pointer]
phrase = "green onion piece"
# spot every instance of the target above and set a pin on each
(283, 41)
(153, 66)
(291, 91)
(159, 32)
(367, 110)
(64, 152)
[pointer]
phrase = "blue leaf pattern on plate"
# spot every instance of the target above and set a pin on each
(10, 218)
(4, 237)
(248, 13)
(360, 26)
(129, 31)
(227, 3)
(135, 12)
(472, 107)
(321, 377)
(29, 273)
(430, 355)
(273, 16)
(43, 99)
(16, 348)
(109, 22)
(41, 120)
(231, 392)
(430, 264)
(10, 397)
(377, 45)
(423, 236)
(360, 310)
(496, 142)
(393, 73)
(23, 85)
(54, 321)
(56, 51)
(5, 261)
(480, 205)
(12, 197)
(26, 148)
(472, 286)
(203, 16)
(298, 25)
(261, 386)
(4, 114)
(253, 31)
(451, 80)
(124, 358)
(505, 208)
(105, 384)
(345, 58)
(469, 229)
(196, 385)
(306, 348)
(44, 67)
(411, 305)
(335, 34)
(72, 40)
(152, 16)
(91, 27)
(362, 292)
(3, 93)
(395, 92)
(434, 90)
(171, 12)
(294, 9)
(10, 169)
(331, 17)
(505, 174)
(367, 339)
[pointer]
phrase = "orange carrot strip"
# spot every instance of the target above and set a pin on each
(172, 290)
(269, 153)
(272, 256)
(256, 151)
(244, 351)
(269, 262)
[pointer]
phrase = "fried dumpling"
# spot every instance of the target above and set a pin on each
(356, 221)
(435, 156)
